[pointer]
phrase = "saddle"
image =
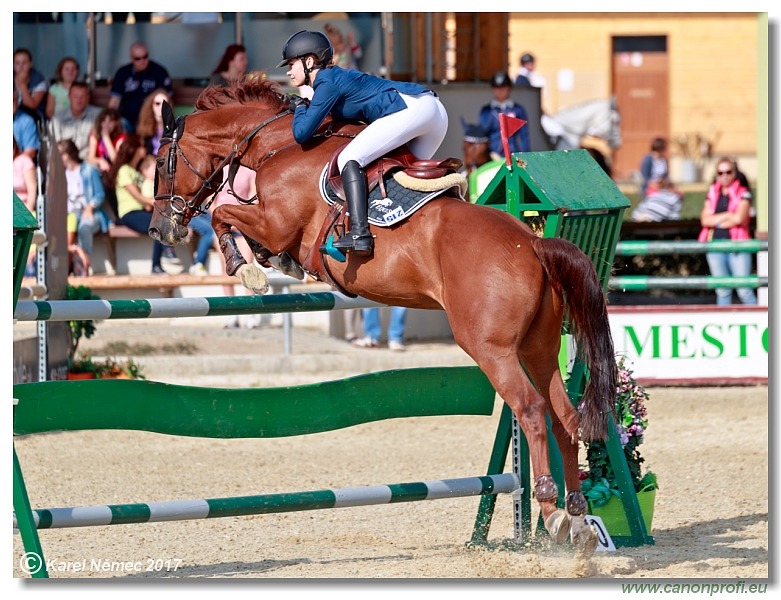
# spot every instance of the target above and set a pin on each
(399, 159)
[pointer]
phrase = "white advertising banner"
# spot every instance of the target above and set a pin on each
(694, 344)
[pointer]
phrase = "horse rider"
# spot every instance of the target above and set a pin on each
(396, 113)
(501, 84)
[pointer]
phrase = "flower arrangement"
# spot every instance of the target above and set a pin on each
(108, 368)
(598, 481)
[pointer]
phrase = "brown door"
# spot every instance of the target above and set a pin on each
(641, 88)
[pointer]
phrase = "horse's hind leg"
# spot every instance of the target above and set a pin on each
(564, 426)
(529, 407)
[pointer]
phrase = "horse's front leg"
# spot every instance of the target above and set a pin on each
(250, 275)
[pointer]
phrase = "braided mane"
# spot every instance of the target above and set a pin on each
(248, 90)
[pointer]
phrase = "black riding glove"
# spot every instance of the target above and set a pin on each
(296, 101)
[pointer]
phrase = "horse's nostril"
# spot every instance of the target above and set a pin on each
(154, 233)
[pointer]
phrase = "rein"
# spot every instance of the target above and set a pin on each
(178, 204)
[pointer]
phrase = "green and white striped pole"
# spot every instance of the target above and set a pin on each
(181, 510)
(164, 308)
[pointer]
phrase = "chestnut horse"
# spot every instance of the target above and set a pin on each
(505, 290)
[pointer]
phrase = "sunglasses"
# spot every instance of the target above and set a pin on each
(730, 172)
(141, 57)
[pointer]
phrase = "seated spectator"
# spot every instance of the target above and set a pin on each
(347, 52)
(232, 66)
(25, 178)
(85, 206)
(105, 138)
(654, 164)
(76, 121)
(67, 72)
(150, 119)
(26, 131)
(134, 81)
(134, 210)
(663, 202)
(30, 85)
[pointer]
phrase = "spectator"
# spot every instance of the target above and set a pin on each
(85, 204)
(501, 84)
(654, 164)
(105, 138)
(725, 216)
(346, 50)
(373, 329)
(150, 119)
(67, 72)
(527, 76)
(232, 66)
(663, 202)
(133, 82)
(30, 86)
(133, 208)
(25, 131)
(25, 178)
(352, 320)
(76, 121)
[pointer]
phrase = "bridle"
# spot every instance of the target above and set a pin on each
(474, 141)
(172, 133)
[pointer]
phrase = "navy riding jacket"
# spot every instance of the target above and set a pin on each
(349, 95)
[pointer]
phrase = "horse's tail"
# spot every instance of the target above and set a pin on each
(573, 276)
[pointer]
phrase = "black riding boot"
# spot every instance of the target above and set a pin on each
(359, 239)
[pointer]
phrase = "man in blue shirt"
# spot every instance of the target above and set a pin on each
(25, 131)
(134, 82)
(501, 84)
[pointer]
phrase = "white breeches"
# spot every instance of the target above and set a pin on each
(422, 126)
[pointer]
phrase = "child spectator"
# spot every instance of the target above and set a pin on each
(663, 202)
(67, 72)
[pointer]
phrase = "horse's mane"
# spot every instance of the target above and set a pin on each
(251, 90)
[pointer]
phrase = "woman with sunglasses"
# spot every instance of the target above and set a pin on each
(725, 216)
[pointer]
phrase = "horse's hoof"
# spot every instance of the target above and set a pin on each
(285, 264)
(558, 525)
(253, 279)
(584, 537)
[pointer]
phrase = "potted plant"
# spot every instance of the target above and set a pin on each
(113, 368)
(598, 479)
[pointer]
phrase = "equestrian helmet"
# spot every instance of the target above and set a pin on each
(304, 43)
(501, 79)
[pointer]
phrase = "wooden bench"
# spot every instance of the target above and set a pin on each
(110, 238)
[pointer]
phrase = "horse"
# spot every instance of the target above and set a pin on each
(476, 152)
(594, 118)
(504, 289)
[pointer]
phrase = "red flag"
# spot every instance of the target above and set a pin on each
(508, 126)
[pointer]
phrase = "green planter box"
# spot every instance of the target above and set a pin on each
(614, 518)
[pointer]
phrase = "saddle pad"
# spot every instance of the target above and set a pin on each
(384, 212)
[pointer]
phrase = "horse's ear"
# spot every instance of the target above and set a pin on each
(179, 127)
(169, 123)
(472, 131)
